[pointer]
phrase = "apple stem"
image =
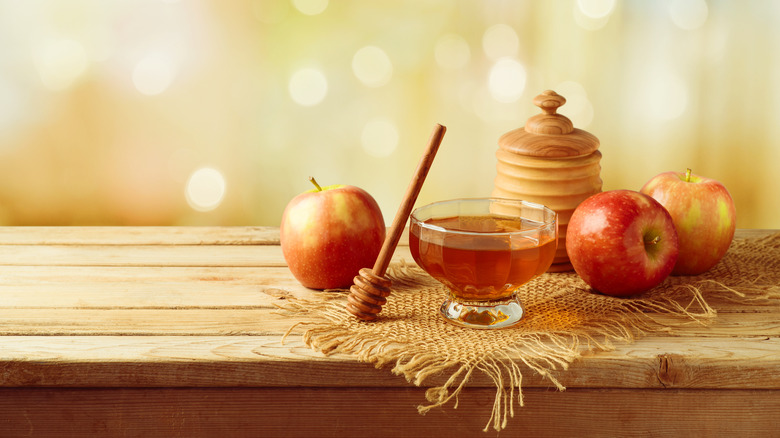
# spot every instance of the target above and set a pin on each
(688, 175)
(314, 181)
(653, 241)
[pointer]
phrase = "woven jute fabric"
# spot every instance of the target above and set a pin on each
(563, 320)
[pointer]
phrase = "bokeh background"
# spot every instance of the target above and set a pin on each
(195, 112)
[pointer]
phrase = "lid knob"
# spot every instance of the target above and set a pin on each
(549, 122)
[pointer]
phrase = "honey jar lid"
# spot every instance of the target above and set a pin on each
(549, 134)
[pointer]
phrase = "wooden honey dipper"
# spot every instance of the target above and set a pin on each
(371, 288)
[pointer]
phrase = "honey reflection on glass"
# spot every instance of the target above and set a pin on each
(483, 250)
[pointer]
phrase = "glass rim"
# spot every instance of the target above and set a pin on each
(535, 205)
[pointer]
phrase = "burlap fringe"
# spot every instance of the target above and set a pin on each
(544, 352)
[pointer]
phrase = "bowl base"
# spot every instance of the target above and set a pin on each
(483, 315)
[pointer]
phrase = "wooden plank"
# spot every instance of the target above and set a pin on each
(263, 360)
(681, 362)
(141, 321)
(169, 235)
(231, 319)
(139, 235)
(150, 235)
(753, 233)
(135, 295)
(145, 287)
(23, 275)
(223, 290)
(145, 255)
(219, 290)
(151, 255)
(177, 287)
(360, 412)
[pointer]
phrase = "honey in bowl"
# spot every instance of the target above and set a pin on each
(482, 268)
(483, 250)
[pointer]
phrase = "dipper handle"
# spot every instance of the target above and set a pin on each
(371, 288)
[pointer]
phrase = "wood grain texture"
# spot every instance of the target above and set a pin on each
(175, 331)
(264, 360)
(549, 162)
(139, 235)
(348, 412)
(263, 319)
(150, 255)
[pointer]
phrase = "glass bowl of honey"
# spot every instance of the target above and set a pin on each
(483, 250)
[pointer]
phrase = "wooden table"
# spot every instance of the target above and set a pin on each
(172, 332)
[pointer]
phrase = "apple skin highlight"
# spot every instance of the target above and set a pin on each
(622, 242)
(328, 234)
(703, 213)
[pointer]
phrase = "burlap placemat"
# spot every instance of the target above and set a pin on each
(563, 319)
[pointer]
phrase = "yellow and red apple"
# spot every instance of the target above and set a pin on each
(329, 233)
(621, 242)
(704, 216)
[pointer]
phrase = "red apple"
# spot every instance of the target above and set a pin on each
(621, 242)
(703, 213)
(329, 233)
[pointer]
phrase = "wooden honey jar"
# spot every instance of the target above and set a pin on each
(549, 162)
